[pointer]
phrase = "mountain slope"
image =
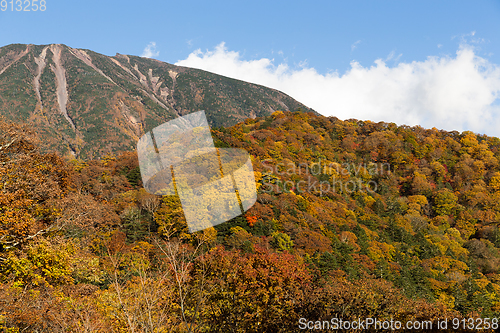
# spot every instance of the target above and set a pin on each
(87, 104)
(353, 220)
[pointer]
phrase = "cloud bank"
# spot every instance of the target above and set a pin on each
(150, 51)
(452, 93)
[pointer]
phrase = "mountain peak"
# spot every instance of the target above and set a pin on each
(88, 104)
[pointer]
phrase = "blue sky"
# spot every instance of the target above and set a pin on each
(433, 63)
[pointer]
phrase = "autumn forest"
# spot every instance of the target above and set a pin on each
(353, 219)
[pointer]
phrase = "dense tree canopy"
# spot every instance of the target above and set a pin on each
(353, 219)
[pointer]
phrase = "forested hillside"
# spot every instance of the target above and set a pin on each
(354, 219)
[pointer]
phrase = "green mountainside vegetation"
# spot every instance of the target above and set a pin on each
(86, 105)
(354, 219)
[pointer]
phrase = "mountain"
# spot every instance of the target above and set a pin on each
(87, 104)
(353, 220)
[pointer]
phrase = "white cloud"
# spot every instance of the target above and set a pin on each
(355, 45)
(453, 93)
(392, 57)
(150, 51)
(469, 38)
